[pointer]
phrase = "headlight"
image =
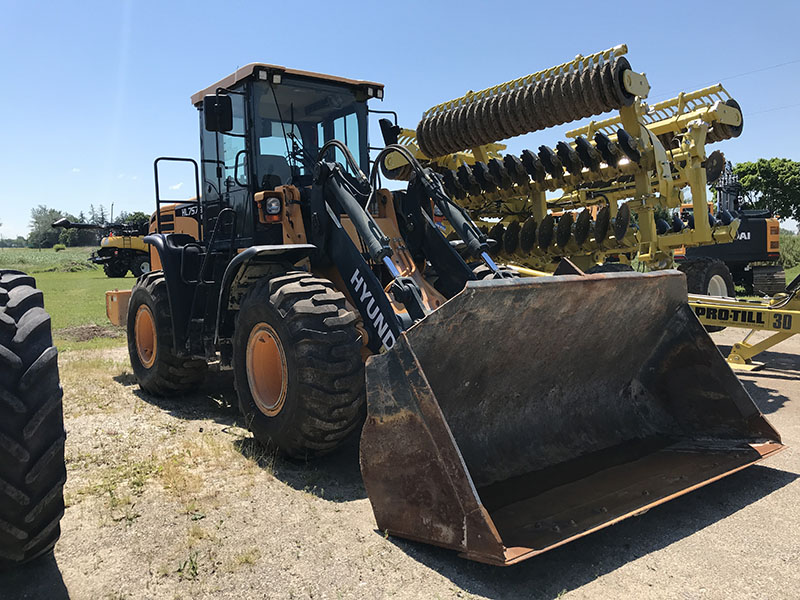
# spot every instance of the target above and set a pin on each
(273, 206)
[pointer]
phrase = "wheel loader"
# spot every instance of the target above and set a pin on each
(499, 416)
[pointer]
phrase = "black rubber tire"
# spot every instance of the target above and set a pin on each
(140, 264)
(699, 272)
(115, 268)
(32, 470)
(610, 268)
(170, 374)
(325, 399)
(769, 280)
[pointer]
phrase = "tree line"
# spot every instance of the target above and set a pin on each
(44, 235)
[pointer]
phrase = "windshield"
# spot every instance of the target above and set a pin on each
(312, 111)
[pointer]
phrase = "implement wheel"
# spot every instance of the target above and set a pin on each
(140, 265)
(710, 277)
(484, 272)
(115, 268)
(297, 364)
(158, 368)
(32, 471)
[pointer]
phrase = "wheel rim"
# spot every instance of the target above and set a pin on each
(266, 369)
(717, 286)
(146, 338)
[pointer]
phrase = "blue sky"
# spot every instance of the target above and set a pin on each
(94, 91)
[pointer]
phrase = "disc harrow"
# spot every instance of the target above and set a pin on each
(544, 169)
(547, 102)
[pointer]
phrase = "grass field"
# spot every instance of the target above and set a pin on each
(33, 260)
(74, 293)
(792, 273)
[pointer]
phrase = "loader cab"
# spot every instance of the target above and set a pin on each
(263, 127)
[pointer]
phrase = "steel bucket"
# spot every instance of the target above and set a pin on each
(523, 414)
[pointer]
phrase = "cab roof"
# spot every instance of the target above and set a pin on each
(253, 70)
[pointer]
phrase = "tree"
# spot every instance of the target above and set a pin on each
(137, 219)
(773, 184)
(43, 235)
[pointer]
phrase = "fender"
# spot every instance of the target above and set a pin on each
(275, 254)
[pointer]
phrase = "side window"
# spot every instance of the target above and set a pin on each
(233, 146)
(344, 129)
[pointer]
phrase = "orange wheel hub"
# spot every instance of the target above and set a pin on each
(144, 330)
(266, 369)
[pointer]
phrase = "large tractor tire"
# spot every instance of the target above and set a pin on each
(140, 264)
(158, 368)
(709, 277)
(297, 365)
(32, 470)
(769, 280)
(115, 268)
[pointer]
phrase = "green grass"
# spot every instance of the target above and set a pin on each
(74, 290)
(33, 260)
(792, 273)
(79, 298)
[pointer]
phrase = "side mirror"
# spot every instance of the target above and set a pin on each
(218, 113)
(389, 130)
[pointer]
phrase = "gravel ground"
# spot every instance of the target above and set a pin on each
(171, 499)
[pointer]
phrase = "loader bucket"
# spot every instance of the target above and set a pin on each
(525, 413)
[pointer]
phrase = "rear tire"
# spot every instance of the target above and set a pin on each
(769, 280)
(140, 265)
(709, 277)
(315, 351)
(115, 268)
(32, 470)
(158, 368)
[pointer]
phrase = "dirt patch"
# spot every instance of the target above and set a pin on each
(84, 333)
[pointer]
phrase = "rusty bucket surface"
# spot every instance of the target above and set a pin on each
(523, 414)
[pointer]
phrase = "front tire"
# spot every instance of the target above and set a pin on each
(157, 366)
(32, 470)
(297, 365)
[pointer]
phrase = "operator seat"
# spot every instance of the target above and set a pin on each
(274, 170)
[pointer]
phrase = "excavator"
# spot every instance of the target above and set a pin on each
(499, 416)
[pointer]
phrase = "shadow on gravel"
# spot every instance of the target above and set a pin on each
(335, 477)
(37, 580)
(582, 561)
(215, 400)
